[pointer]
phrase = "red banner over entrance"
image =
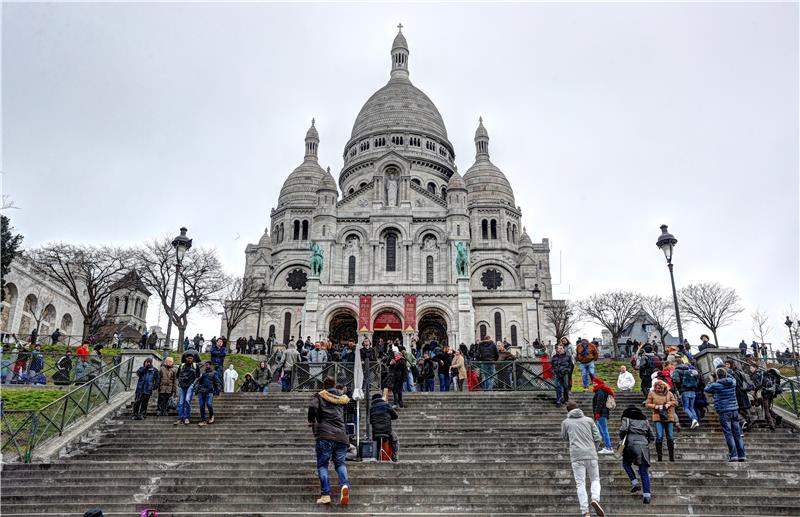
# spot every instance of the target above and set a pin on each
(364, 312)
(410, 313)
(388, 321)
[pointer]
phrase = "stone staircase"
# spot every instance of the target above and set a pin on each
(461, 454)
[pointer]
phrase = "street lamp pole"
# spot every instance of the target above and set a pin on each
(789, 323)
(181, 243)
(261, 291)
(666, 242)
(537, 293)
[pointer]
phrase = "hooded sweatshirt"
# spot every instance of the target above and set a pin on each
(582, 435)
(326, 414)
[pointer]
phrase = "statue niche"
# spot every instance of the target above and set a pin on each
(392, 186)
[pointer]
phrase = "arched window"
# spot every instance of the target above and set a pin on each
(116, 305)
(136, 307)
(494, 228)
(482, 331)
(296, 234)
(271, 331)
(432, 188)
(125, 310)
(458, 230)
(362, 184)
(513, 335)
(142, 310)
(351, 270)
(305, 230)
(444, 192)
(351, 190)
(514, 233)
(416, 181)
(498, 327)
(508, 232)
(429, 269)
(287, 327)
(484, 229)
(391, 252)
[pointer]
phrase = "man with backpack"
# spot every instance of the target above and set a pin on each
(743, 385)
(767, 384)
(488, 355)
(426, 373)
(648, 364)
(586, 354)
(686, 379)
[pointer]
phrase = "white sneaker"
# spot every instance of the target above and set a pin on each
(695, 424)
(605, 451)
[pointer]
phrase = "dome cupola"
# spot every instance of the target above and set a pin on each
(486, 184)
(300, 187)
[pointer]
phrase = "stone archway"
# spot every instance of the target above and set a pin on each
(343, 327)
(433, 325)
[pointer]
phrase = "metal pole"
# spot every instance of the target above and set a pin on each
(369, 428)
(794, 357)
(260, 309)
(538, 337)
(675, 301)
(168, 346)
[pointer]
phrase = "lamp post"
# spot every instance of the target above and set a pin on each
(666, 243)
(789, 323)
(537, 293)
(261, 292)
(181, 243)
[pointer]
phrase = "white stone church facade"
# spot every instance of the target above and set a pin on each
(389, 230)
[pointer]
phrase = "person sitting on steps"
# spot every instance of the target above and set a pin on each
(381, 415)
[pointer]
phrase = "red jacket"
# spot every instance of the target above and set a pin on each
(83, 353)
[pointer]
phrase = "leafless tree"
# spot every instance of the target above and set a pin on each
(200, 280)
(89, 274)
(614, 311)
(240, 299)
(662, 311)
(710, 304)
(44, 300)
(563, 318)
(761, 327)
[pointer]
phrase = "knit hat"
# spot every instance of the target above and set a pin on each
(648, 348)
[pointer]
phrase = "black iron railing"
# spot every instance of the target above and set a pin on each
(23, 366)
(789, 387)
(309, 376)
(23, 431)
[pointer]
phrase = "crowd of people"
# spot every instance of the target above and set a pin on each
(668, 380)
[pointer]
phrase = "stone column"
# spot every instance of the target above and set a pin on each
(466, 312)
(311, 306)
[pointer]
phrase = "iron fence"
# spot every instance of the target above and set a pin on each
(789, 396)
(309, 376)
(520, 375)
(23, 431)
(23, 366)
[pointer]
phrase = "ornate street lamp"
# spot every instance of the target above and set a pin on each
(537, 294)
(262, 291)
(666, 242)
(181, 243)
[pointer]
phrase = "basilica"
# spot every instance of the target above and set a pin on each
(402, 244)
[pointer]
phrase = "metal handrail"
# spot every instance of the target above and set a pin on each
(519, 375)
(310, 376)
(790, 387)
(18, 372)
(54, 418)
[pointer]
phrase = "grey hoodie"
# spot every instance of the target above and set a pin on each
(582, 435)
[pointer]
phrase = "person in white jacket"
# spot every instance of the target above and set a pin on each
(231, 375)
(625, 381)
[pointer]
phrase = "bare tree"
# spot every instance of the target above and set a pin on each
(562, 316)
(662, 311)
(44, 300)
(614, 311)
(239, 300)
(761, 327)
(199, 282)
(89, 274)
(710, 304)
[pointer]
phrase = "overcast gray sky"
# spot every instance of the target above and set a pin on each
(123, 122)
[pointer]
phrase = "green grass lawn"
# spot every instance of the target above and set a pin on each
(606, 370)
(29, 398)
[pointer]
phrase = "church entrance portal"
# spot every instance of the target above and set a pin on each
(432, 325)
(387, 326)
(343, 328)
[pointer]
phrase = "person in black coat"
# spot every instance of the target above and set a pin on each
(562, 373)
(398, 372)
(637, 434)
(381, 415)
(148, 381)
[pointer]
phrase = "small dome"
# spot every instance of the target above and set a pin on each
(525, 239)
(265, 241)
(456, 183)
(400, 41)
(328, 183)
(486, 183)
(481, 131)
(301, 186)
(312, 132)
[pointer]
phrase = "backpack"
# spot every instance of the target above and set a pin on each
(427, 370)
(651, 363)
(771, 383)
(690, 379)
(611, 402)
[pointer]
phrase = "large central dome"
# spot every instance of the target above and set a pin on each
(399, 107)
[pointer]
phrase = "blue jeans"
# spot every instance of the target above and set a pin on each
(327, 450)
(265, 389)
(562, 387)
(428, 385)
(587, 371)
(643, 473)
(410, 382)
(729, 420)
(660, 428)
(487, 374)
(205, 400)
(687, 397)
(444, 382)
(185, 402)
(602, 426)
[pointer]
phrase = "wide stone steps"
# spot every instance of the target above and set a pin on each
(480, 453)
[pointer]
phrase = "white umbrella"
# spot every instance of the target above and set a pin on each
(358, 375)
